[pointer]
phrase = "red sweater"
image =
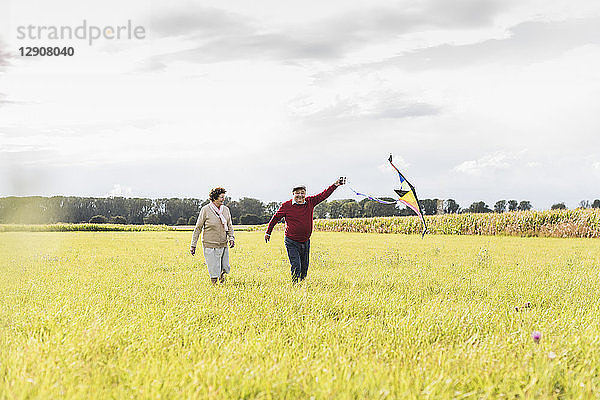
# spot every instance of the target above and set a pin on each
(299, 217)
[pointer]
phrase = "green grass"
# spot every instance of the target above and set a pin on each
(132, 315)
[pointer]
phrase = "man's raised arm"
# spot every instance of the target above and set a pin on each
(325, 193)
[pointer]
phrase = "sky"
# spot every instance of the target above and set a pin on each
(476, 100)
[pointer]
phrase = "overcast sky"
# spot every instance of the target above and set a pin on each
(476, 100)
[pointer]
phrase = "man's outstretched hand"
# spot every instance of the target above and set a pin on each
(267, 237)
(340, 181)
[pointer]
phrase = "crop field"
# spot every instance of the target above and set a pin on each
(93, 315)
(583, 223)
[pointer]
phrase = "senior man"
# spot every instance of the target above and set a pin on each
(298, 213)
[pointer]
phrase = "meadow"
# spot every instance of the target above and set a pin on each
(132, 315)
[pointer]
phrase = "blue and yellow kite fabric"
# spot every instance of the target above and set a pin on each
(407, 196)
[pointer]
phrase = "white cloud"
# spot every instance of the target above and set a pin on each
(486, 163)
(119, 191)
(224, 35)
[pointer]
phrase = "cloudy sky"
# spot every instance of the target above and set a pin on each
(476, 100)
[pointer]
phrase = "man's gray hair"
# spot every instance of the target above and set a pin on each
(298, 188)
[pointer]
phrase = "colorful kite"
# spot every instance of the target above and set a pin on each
(408, 196)
(407, 193)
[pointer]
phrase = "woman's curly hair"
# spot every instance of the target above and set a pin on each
(216, 192)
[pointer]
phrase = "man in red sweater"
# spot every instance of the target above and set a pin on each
(298, 213)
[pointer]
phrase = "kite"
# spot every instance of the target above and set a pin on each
(408, 196)
(407, 193)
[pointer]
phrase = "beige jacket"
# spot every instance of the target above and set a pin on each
(214, 234)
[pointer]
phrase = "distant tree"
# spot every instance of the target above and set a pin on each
(479, 207)
(584, 204)
(351, 209)
(374, 209)
(513, 205)
(192, 220)
(322, 210)
(234, 209)
(118, 219)
(429, 206)
(451, 206)
(98, 219)
(558, 206)
(524, 205)
(152, 219)
(272, 207)
(137, 210)
(249, 205)
(181, 221)
(335, 209)
(250, 219)
(500, 206)
(596, 204)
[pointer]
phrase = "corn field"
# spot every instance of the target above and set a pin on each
(583, 223)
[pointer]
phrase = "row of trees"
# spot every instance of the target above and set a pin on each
(366, 208)
(582, 204)
(349, 208)
(509, 205)
(246, 211)
(500, 206)
(173, 211)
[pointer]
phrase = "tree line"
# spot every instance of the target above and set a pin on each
(245, 211)
(171, 211)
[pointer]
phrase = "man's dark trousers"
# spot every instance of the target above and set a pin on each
(298, 254)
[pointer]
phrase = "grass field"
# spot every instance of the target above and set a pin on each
(131, 315)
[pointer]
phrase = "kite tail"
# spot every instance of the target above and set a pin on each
(419, 214)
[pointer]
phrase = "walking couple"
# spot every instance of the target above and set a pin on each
(214, 221)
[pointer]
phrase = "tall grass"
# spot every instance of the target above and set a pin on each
(132, 315)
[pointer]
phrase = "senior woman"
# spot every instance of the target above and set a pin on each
(215, 224)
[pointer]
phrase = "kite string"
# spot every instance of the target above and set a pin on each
(371, 197)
